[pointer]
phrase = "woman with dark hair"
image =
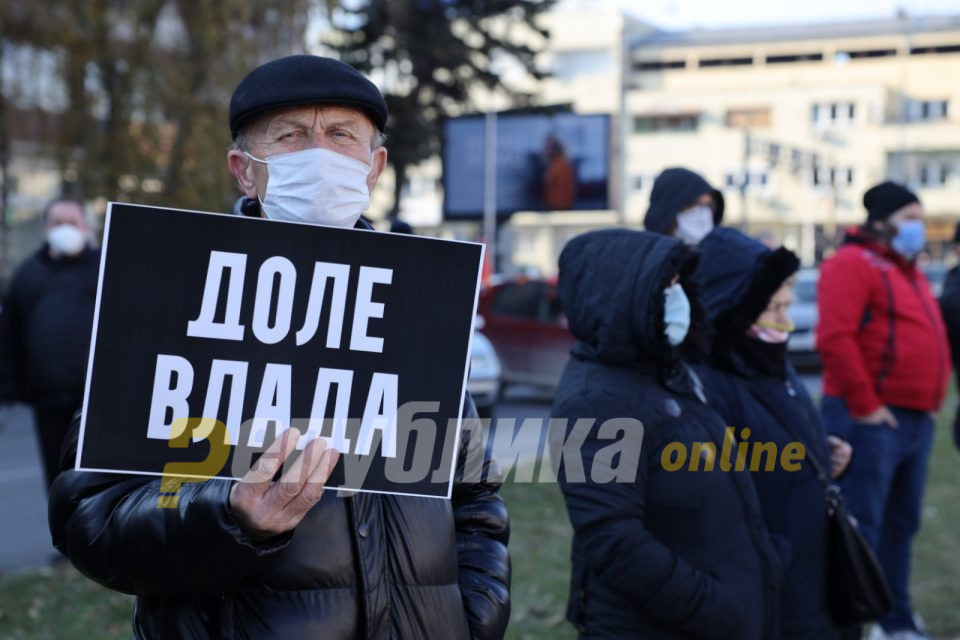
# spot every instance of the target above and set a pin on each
(664, 546)
(746, 289)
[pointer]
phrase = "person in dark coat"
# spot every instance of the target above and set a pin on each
(661, 551)
(285, 559)
(683, 205)
(746, 289)
(45, 326)
(950, 307)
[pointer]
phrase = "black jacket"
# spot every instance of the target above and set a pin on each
(366, 566)
(753, 387)
(45, 329)
(671, 554)
(950, 306)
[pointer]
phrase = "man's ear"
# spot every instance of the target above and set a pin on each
(240, 167)
(378, 162)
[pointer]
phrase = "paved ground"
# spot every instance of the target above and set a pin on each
(23, 501)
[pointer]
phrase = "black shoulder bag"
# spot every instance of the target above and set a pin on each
(857, 590)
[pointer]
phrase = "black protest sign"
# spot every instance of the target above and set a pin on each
(355, 336)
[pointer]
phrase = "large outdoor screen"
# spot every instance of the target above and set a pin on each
(545, 162)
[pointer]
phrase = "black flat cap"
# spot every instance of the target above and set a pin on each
(303, 80)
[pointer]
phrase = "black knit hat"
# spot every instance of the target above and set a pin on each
(304, 80)
(885, 198)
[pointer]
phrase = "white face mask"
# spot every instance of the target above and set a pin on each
(676, 314)
(66, 240)
(694, 224)
(317, 186)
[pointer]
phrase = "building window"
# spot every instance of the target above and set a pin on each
(833, 114)
(927, 110)
(869, 53)
(676, 122)
(726, 62)
(934, 173)
(659, 65)
(749, 117)
(832, 176)
(944, 48)
(794, 57)
(755, 180)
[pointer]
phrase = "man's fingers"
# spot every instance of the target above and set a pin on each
(311, 492)
(291, 482)
(268, 463)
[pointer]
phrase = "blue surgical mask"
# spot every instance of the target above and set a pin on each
(910, 238)
(676, 314)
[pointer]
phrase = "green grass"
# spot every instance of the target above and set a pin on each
(60, 603)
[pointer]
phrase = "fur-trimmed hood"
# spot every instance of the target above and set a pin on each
(737, 277)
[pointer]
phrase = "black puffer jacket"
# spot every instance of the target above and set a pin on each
(672, 554)
(366, 566)
(752, 386)
(45, 329)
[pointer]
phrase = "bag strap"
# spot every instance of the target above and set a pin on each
(814, 464)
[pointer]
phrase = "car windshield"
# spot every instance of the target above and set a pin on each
(805, 291)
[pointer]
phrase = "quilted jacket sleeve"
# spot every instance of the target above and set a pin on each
(483, 529)
(111, 528)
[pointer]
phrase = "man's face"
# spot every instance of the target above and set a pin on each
(705, 199)
(340, 129)
(913, 211)
(66, 213)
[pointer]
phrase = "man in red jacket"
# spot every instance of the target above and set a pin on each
(885, 368)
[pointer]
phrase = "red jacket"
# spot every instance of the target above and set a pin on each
(880, 333)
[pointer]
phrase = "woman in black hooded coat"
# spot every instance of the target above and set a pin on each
(752, 385)
(657, 553)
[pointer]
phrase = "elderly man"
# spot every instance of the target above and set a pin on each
(45, 326)
(284, 559)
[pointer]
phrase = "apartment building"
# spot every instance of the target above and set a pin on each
(793, 123)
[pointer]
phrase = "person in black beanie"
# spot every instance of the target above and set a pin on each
(886, 364)
(683, 205)
(261, 558)
(950, 307)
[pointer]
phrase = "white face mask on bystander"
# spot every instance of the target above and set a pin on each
(694, 224)
(316, 186)
(66, 240)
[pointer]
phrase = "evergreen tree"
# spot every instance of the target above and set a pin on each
(433, 54)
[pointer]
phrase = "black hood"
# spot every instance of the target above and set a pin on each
(737, 276)
(674, 190)
(611, 283)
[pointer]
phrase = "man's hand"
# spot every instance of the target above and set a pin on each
(881, 416)
(840, 454)
(265, 508)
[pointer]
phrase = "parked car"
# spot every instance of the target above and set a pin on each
(483, 381)
(524, 320)
(802, 347)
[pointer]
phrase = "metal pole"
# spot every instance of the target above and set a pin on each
(490, 186)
